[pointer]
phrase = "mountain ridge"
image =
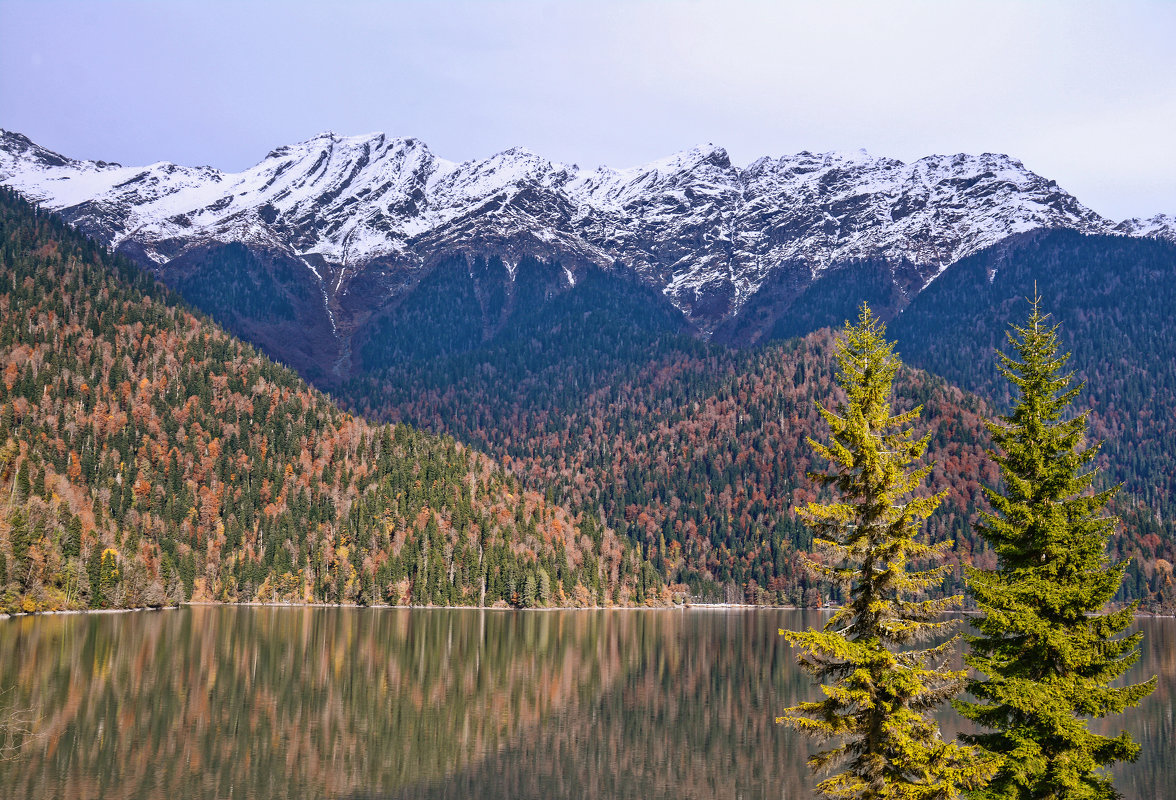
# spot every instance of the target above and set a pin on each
(366, 214)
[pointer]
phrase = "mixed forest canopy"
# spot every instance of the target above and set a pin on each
(148, 457)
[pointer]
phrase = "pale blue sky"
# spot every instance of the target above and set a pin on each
(1082, 92)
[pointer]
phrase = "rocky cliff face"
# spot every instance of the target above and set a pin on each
(358, 220)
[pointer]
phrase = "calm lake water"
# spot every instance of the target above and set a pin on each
(232, 702)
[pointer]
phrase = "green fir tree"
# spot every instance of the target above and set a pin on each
(94, 573)
(1047, 652)
(530, 590)
(880, 678)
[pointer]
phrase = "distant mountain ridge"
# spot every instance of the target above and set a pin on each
(365, 215)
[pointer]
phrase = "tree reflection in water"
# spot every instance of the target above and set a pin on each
(373, 703)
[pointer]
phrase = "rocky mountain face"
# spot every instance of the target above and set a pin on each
(306, 248)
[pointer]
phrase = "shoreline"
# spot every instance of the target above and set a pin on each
(71, 611)
(384, 606)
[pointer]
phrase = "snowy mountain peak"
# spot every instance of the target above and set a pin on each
(705, 231)
(704, 154)
(16, 146)
(1161, 226)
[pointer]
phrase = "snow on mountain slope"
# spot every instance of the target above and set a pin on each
(704, 231)
(1161, 226)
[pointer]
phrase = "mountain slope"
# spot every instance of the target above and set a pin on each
(146, 456)
(1113, 298)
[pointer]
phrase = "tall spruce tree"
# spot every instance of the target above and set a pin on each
(881, 679)
(1046, 652)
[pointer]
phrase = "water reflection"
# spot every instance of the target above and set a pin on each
(264, 702)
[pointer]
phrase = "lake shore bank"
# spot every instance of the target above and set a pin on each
(677, 607)
(374, 606)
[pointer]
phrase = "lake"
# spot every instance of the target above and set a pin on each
(253, 702)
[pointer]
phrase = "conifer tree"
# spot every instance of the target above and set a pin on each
(108, 576)
(880, 688)
(1046, 652)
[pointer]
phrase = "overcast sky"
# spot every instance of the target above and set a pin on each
(1084, 93)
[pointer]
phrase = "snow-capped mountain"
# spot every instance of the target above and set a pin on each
(365, 214)
(1161, 226)
(685, 222)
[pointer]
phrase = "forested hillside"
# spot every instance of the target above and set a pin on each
(697, 452)
(699, 457)
(476, 311)
(146, 457)
(1113, 297)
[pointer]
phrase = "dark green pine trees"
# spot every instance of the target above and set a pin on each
(880, 687)
(1046, 654)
